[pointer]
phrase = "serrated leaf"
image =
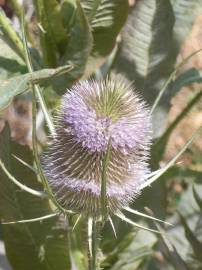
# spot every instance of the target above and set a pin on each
(185, 15)
(17, 85)
(106, 18)
(147, 53)
(53, 36)
(40, 245)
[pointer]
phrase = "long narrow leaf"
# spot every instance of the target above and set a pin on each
(17, 85)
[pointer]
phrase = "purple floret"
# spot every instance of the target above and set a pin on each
(92, 116)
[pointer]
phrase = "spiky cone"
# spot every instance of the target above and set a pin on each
(93, 116)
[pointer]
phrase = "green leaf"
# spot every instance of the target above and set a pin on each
(197, 198)
(147, 54)
(195, 243)
(106, 18)
(68, 12)
(10, 63)
(9, 35)
(174, 256)
(188, 77)
(38, 245)
(188, 207)
(52, 32)
(185, 15)
(17, 85)
(78, 48)
(131, 251)
(173, 76)
(159, 146)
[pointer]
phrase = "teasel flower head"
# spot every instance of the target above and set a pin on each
(93, 116)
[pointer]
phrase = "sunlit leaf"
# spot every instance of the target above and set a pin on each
(147, 53)
(106, 18)
(185, 15)
(17, 85)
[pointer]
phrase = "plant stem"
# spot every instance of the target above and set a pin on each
(93, 236)
(37, 90)
(105, 163)
(18, 10)
(47, 45)
(34, 135)
(46, 113)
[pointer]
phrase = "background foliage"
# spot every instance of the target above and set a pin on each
(68, 40)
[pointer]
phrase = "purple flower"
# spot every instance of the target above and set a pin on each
(92, 116)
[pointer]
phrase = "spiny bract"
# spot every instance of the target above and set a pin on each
(93, 115)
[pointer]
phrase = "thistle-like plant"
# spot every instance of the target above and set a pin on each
(97, 161)
(103, 130)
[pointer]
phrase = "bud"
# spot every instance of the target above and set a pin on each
(92, 116)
